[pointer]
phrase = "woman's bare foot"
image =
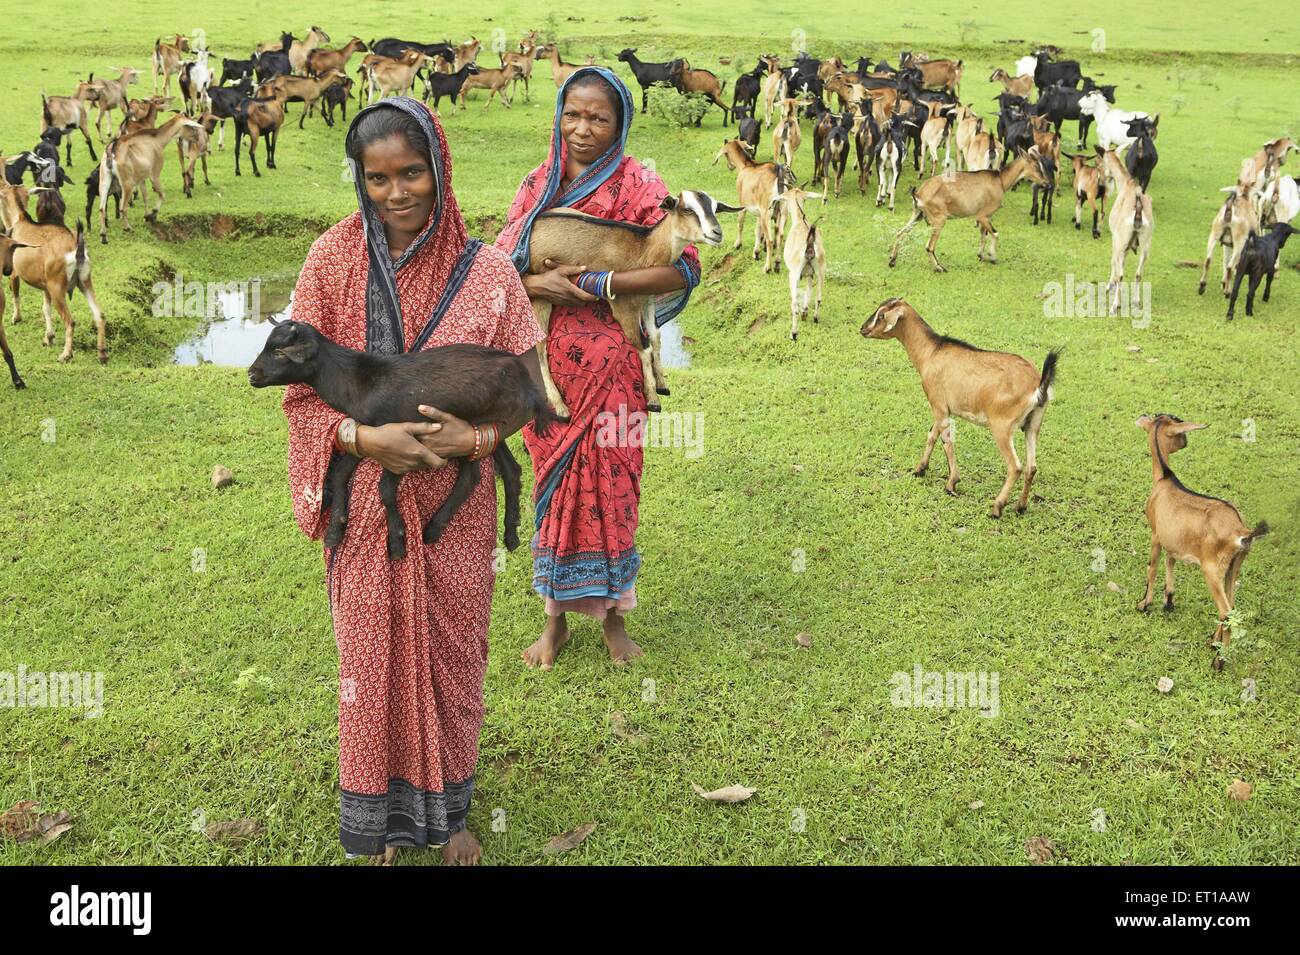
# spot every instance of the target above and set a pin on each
(621, 647)
(462, 849)
(554, 636)
(389, 854)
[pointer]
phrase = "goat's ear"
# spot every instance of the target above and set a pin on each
(723, 207)
(1182, 427)
(298, 352)
(669, 203)
(1144, 421)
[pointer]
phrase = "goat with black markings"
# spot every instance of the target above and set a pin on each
(1258, 263)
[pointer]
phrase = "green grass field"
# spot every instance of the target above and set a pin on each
(807, 452)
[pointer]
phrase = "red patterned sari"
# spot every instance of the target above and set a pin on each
(412, 634)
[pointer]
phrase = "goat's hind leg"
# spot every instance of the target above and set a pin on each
(512, 484)
(1031, 427)
(467, 479)
(1152, 564)
(1002, 437)
(388, 482)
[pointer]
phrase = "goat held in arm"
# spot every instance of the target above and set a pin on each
(1203, 530)
(567, 237)
(479, 385)
(998, 390)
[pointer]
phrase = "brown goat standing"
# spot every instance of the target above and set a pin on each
(996, 389)
(1204, 530)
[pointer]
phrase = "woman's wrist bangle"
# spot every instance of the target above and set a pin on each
(345, 438)
(609, 286)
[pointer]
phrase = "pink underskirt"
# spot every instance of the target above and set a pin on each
(596, 607)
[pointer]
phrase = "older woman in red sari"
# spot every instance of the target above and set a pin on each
(396, 276)
(587, 490)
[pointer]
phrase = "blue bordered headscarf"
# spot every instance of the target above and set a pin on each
(667, 306)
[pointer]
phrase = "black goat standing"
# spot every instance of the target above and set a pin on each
(1142, 156)
(476, 384)
(648, 74)
(1259, 262)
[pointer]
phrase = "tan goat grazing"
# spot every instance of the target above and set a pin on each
(299, 50)
(71, 112)
(1022, 85)
(55, 262)
(1260, 169)
(7, 248)
(394, 76)
(112, 95)
(167, 60)
(966, 195)
(805, 257)
(523, 63)
(133, 160)
(560, 71)
(192, 145)
(1089, 184)
(494, 81)
(320, 62)
(787, 137)
(774, 91)
(306, 88)
(1193, 527)
(1233, 224)
(757, 186)
(141, 114)
(998, 390)
(1131, 223)
(688, 80)
(568, 237)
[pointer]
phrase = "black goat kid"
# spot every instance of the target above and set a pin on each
(1259, 263)
(476, 384)
(1142, 158)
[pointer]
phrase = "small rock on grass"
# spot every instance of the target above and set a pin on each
(804, 639)
(1239, 790)
(222, 476)
(1164, 684)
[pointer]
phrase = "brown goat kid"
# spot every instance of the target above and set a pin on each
(998, 390)
(1193, 527)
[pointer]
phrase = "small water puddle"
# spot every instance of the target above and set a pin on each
(672, 349)
(241, 319)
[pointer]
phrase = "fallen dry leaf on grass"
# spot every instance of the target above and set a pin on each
(736, 793)
(1039, 850)
(569, 840)
(234, 832)
(1239, 790)
(977, 805)
(23, 822)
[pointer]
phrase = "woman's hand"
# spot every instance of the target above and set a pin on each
(448, 436)
(398, 446)
(556, 286)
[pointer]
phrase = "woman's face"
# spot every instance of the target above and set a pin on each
(588, 123)
(399, 181)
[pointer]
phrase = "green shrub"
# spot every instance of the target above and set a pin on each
(678, 109)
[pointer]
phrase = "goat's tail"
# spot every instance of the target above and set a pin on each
(1260, 530)
(45, 111)
(1044, 393)
(810, 246)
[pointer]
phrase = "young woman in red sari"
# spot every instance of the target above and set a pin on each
(396, 276)
(586, 490)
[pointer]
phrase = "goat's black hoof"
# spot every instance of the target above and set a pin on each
(653, 406)
(1217, 665)
(1021, 508)
(396, 547)
(662, 391)
(1144, 606)
(1169, 602)
(334, 535)
(19, 384)
(512, 539)
(431, 534)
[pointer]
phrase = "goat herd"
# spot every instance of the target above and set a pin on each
(883, 112)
